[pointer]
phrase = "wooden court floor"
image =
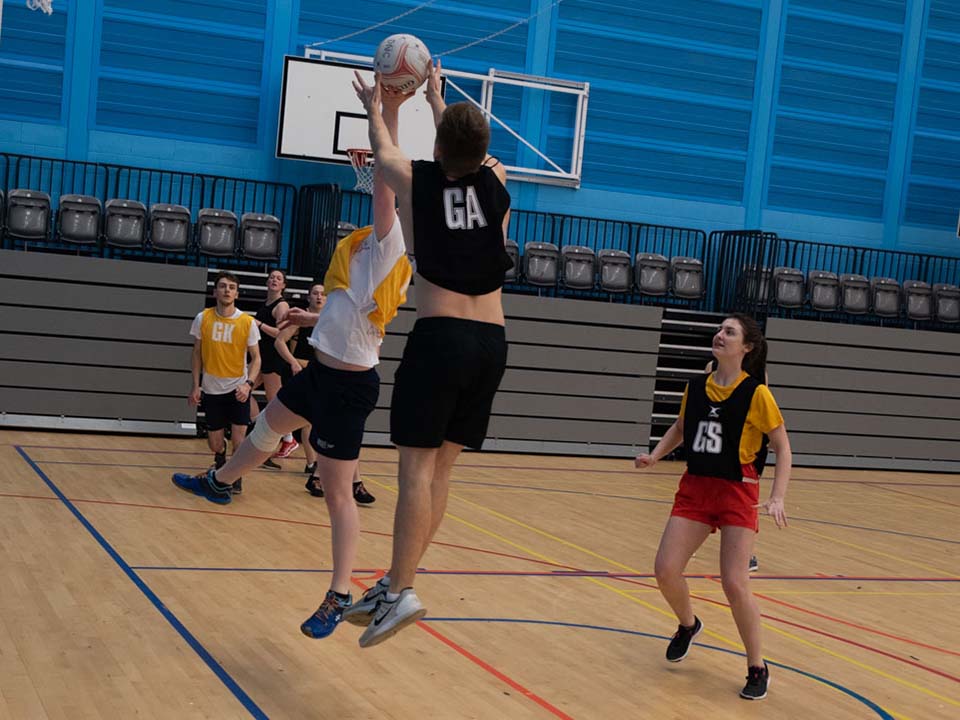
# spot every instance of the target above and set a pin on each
(122, 597)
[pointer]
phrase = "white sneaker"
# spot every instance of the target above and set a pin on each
(392, 617)
(361, 612)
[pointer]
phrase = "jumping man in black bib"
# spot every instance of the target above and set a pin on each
(455, 211)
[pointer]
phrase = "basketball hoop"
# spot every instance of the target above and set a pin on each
(362, 161)
(45, 5)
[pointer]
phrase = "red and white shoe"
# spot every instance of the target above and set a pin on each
(286, 448)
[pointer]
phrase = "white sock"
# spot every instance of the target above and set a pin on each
(288, 437)
(392, 597)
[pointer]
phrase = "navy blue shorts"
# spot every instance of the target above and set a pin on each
(224, 410)
(337, 404)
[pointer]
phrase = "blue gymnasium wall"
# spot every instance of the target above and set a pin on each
(830, 120)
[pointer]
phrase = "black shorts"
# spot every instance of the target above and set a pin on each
(223, 410)
(336, 402)
(270, 360)
(446, 382)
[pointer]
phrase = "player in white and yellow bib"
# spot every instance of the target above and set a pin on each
(366, 284)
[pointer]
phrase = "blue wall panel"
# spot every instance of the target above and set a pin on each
(186, 70)
(817, 118)
(933, 192)
(671, 93)
(834, 112)
(32, 51)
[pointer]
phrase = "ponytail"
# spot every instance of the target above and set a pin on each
(755, 361)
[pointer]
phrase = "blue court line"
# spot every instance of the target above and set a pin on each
(830, 683)
(225, 678)
(551, 574)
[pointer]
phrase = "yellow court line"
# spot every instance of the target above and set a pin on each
(865, 666)
(628, 596)
(875, 552)
(541, 556)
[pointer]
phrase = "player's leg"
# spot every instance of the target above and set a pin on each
(681, 538)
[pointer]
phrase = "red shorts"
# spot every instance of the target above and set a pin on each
(717, 502)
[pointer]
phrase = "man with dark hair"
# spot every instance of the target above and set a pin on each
(455, 211)
(224, 336)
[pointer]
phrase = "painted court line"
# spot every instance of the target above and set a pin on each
(187, 636)
(595, 471)
(860, 698)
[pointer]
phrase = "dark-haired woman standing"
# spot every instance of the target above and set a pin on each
(722, 420)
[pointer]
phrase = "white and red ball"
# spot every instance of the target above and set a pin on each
(403, 62)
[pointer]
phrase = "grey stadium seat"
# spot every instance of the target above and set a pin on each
(217, 232)
(541, 263)
(78, 219)
(947, 302)
(918, 299)
(579, 267)
(885, 297)
(125, 223)
(616, 271)
(652, 274)
(854, 294)
(687, 277)
(823, 289)
(169, 227)
(756, 285)
(512, 275)
(260, 236)
(788, 287)
(28, 214)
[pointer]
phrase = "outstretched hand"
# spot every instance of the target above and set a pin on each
(433, 84)
(370, 97)
(774, 507)
(297, 317)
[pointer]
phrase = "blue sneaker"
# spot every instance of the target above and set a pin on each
(202, 485)
(325, 620)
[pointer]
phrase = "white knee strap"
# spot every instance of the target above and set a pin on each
(264, 437)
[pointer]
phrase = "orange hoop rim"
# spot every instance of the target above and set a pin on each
(360, 157)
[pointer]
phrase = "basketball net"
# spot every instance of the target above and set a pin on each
(45, 5)
(362, 161)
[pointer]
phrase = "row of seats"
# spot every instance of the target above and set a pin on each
(81, 220)
(854, 294)
(615, 271)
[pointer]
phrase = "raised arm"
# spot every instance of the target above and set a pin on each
(384, 199)
(390, 160)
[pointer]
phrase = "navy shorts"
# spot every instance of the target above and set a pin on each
(337, 404)
(446, 382)
(224, 410)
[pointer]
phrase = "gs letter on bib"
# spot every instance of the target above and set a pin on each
(462, 208)
(709, 437)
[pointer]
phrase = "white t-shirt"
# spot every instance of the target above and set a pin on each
(212, 384)
(343, 330)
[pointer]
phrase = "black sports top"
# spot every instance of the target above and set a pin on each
(303, 350)
(712, 430)
(267, 348)
(458, 228)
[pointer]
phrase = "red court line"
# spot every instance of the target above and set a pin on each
(841, 621)
(289, 521)
(862, 646)
(774, 618)
(529, 694)
(595, 471)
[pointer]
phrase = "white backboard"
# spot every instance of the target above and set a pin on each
(321, 117)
